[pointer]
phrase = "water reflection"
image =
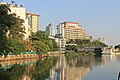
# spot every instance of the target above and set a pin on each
(73, 68)
(62, 68)
(26, 70)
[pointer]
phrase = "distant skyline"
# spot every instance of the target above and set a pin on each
(100, 18)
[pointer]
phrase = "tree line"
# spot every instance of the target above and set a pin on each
(84, 43)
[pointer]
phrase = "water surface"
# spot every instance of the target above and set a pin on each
(62, 68)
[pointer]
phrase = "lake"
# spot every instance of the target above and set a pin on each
(106, 67)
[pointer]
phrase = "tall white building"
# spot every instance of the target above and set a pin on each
(50, 30)
(61, 30)
(21, 12)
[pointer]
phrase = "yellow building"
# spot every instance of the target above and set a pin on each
(33, 21)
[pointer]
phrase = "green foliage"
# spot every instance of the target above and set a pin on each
(85, 43)
(41, 42)
(70, 47)
(16, 47)
(79, 41)
(4, 9)
(69, 52)
(11, 31)
(98, 44)
(55, 47)
(18, 30)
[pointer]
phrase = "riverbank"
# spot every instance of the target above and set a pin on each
(20, 56)
(29, 56)
(21, 62)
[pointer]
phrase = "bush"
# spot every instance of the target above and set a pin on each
(69, 52)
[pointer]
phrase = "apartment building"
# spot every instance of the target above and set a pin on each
(61, 30)
(50, 30)
(21, 12)
(33, 21)
(72, 30)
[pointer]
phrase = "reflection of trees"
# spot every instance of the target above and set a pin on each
(78, 67)
(38, 71)
(12, 73)
(84, 61)
(42, 69)
(98, 61)
(80, 61)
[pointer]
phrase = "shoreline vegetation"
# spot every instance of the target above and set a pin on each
(70, 53)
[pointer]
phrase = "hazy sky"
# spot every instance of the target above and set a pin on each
(100, 18)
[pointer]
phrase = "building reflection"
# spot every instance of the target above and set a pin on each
(111, 57)
(72, 68)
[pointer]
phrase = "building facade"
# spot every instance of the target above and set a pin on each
(61, 30)
(50, 30)
(21, 12)
(72, 30)
(33, 21)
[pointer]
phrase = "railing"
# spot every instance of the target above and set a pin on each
(29, 53)
(22, 55)
(10, 53)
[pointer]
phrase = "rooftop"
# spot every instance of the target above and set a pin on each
(70, 22)
(32, 14)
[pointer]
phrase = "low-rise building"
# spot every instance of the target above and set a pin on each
(61, 42)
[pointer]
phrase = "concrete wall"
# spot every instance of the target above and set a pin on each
(22, 56)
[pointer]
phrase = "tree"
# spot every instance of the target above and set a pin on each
(4, 25)
(70, 47)
(41, 42)
(16, 46)
(11, 30)
(55, 47)
(98, 44)
(18, 30)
